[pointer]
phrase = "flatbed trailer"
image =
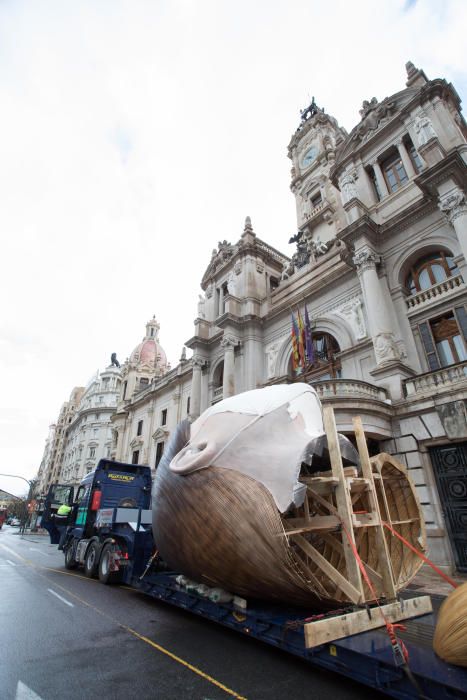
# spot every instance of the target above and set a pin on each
(110, 536)
(366, 657)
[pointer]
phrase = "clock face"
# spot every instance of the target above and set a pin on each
(309, 156)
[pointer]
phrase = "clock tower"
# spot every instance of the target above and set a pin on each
(312, 150)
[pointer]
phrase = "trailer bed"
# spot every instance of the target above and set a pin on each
(366, 657)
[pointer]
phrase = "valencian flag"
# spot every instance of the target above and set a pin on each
(309, 349)
(295, 355)
(301, 340)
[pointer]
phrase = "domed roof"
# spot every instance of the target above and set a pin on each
(149, 351)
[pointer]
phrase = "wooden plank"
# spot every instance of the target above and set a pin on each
(332, 628)
(384, 561)
(351, 592)
(318, 522)
(343, 502)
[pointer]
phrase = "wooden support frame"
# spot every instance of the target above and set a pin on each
(343, 502)
(367, 471)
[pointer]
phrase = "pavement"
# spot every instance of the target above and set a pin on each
(429, 582)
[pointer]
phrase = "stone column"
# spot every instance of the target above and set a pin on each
(405, 158)
(379, 316)
(383, 188)
(228, 343)
(454, 206)
(198, 363)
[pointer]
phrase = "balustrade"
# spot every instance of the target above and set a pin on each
(432, 382)
(427, 295)
(349, 388)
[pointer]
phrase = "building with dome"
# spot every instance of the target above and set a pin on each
(379, 265)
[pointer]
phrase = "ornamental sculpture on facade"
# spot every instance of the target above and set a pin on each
(229, 342)
(347, 186)
(424, 129)
(453, 204)
(365, 259)
(386, 349)
(352, 311)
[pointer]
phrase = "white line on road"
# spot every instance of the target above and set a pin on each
(67, 602)
(11, 563)
(24, 692)
(33, 549)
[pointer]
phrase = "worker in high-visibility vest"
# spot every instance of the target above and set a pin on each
(61, 521)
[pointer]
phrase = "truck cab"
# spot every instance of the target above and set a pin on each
(109, 525)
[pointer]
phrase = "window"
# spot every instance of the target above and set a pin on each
(430, 270)
(152, 332)
(139, 429)
(159, 452)
(273, 283)
(96, 416)
(125, 386)
(448, 341)
(316, 200)
(188, 405)
(135, 457)
(444, 338)
(394, 172)
(326, 365)
(164, 417)
(143, 383)
(413, 154)
(92, 452)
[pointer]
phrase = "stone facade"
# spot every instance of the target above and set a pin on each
(54, 452)
(89, 435)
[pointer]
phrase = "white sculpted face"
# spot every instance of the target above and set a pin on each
(262, 434)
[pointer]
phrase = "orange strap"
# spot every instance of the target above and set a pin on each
(397, 644)
(422, 556)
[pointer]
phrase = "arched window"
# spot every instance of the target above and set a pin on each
(430, 270)
(326, 364)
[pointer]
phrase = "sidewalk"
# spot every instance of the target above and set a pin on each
(429, 582)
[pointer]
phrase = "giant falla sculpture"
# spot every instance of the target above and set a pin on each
(232, 486)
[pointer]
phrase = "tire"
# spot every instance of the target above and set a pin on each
(69, 552)
(105, 575)
(91, 560)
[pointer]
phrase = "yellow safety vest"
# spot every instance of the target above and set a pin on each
(64, 510)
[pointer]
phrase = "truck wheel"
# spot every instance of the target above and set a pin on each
(105, 574)
(70, 562)
(91, 560)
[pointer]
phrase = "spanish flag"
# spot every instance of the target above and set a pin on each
(295, 354)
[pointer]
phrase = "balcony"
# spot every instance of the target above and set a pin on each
(428, 296)
(217, 394)
(431, 383)
(349, 388)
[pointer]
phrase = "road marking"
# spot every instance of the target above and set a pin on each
(159, 648)
(33, 549)
(24, 692)
(67, 602)
(12, 551)
(11, 563)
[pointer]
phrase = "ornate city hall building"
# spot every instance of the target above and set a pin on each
(379, 265)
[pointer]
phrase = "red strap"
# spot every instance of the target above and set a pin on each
(390, 627)
(422, 556)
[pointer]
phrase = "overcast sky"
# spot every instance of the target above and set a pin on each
(134, 135)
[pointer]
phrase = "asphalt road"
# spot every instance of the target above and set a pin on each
(66, 637)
